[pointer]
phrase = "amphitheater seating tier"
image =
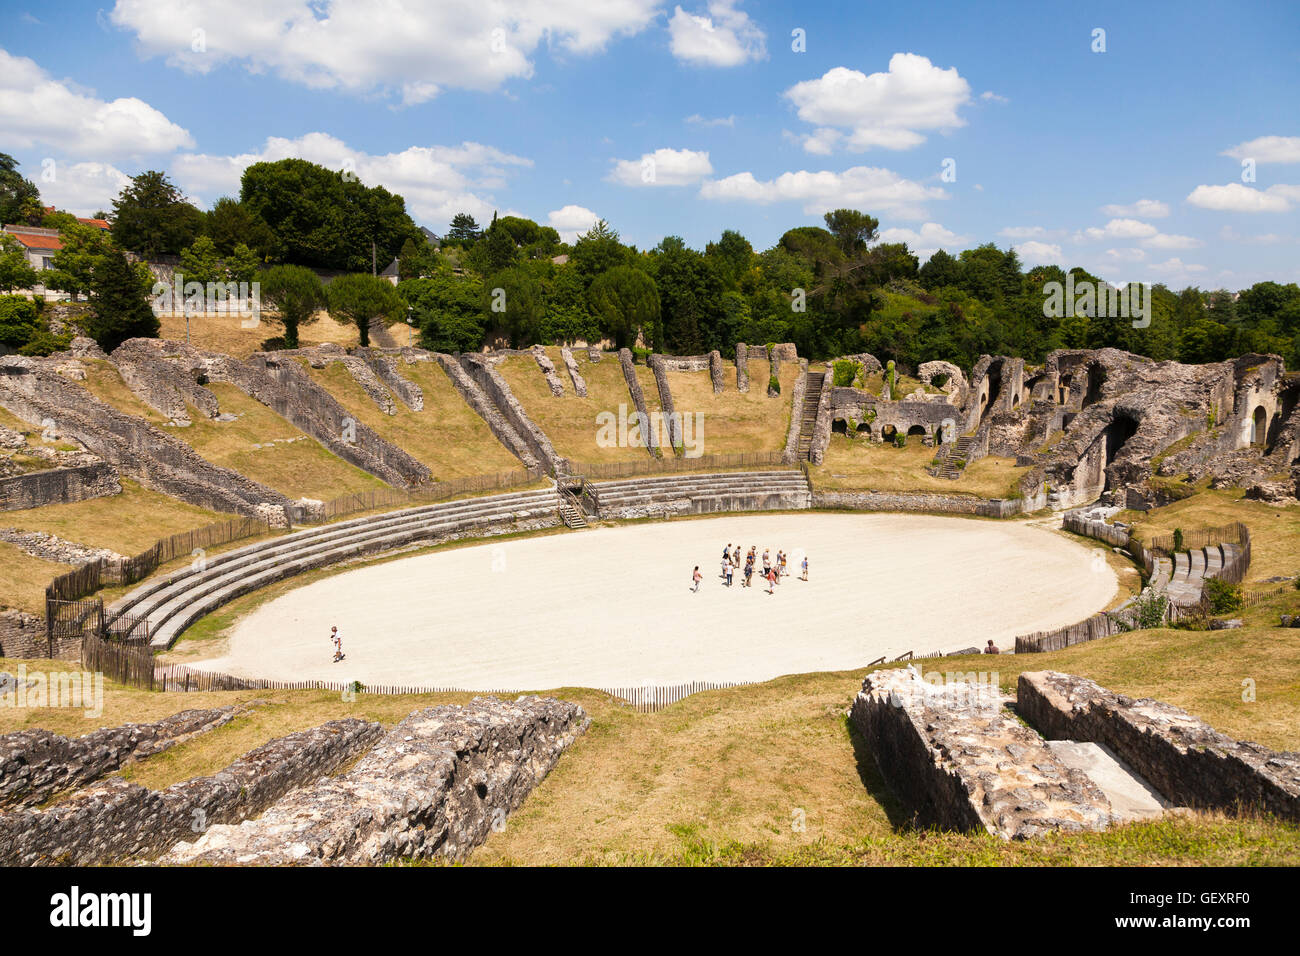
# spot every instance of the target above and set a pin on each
(701, 493)
(172, 602)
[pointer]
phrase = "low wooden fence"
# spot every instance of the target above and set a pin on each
(668, 466)
(1107, 623)
(136, 666)
(90, 577)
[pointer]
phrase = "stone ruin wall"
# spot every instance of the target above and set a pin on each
(481, 369)
(37, 764)
(486, 409)
(958, 761)
(58, 486)
(118, 820)
(638, 399)
(435, 786)
(1188, 761)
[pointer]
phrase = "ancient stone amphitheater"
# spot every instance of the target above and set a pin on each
(1087, 428)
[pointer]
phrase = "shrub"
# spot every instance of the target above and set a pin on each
(1147, 610)
(20, 320)
(1178, 539)
(1221, 597)
(939, 380)
(641, 356)
(900, 440)
(774, 384)
(843, 373)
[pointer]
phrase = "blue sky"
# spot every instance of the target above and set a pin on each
(1127, 162)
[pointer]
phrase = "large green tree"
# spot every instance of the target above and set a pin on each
(73, 267)
(362, 299)
(626, 301)
(119, 296)
(513, 304)
(230, 224)
(15, 271)
(296, 294)
(151, 216)
(448, 309)
(20, 200)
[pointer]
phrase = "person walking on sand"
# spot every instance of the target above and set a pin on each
(780, 562)
(767, 563)
(727, 569)
(697, 578)
(771, 581)
(804, 577)
(749, 571)
(336, 641)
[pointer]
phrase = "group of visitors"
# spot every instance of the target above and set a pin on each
(735, 563)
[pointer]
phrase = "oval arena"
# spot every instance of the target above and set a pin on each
(613, 606)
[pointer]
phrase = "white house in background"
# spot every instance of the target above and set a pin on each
(41, 244)
(391, 273)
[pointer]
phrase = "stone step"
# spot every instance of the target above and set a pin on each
(172, 586)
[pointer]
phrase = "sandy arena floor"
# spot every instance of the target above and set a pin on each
(612, 607)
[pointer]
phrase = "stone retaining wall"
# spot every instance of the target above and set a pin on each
(791, 451)
(23, 635)
(435, 786)
(659, 366)
(957, 760)
(58, 486)
(486, 409)
(36, 764)
(638, 399)
(117, 820)
(385, 367)
(575, 376)
(1186, 759)
(920, 502)
(548, 369)
(742, 367)
(489, 379)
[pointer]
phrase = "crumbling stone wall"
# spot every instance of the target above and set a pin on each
(35, 489)
(742, 367)
(957, 760)
(548, 369)
(480, 368)
(659, 366)
(34, 391)
(435, 786)
(1186, 759)
(117, 820)
(716, 378)
(638, 399)
(922, 502)
(486, 409)
(791, 450)
(37, 764)
(384, 363)
(23, 635)
(575, 376)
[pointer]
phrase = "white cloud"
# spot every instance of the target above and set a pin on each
(861, 187)
(38, 110)
(1267, 149)
(698, 120)
(1126, 255)
(571, 221)
(436, 181)
(409, 49)
(1023, 232)
(83, 188)
(1038, 253)
(927, 240)
(663, 167)
(1119, 229)
(884, 109)
(1229, 234)
(821, 141)
(1234, 197)
(726, 37)
(990, 96)
(1174, 267)
(1146, 208)
(1163, 240)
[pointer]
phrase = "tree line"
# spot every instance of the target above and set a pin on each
(831, 289)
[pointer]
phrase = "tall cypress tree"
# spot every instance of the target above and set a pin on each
(119, 293)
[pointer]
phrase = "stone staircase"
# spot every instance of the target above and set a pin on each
(949, 457)
(170, 603)
(666, 495)
(812, 396)
(1183, 576)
